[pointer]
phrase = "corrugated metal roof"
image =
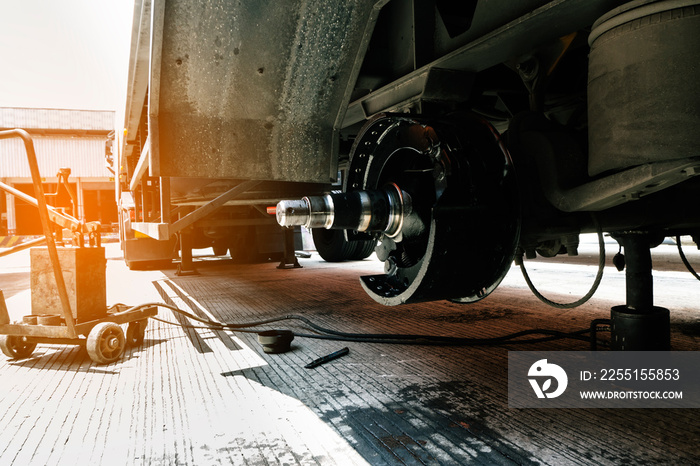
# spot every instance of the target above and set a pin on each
(85, 156)
(56, 119)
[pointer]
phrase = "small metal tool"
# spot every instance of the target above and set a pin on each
(325, 359)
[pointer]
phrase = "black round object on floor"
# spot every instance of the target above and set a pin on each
(275, 341)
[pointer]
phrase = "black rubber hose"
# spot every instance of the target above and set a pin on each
(685, 259)
(405, 339)
(594, 287)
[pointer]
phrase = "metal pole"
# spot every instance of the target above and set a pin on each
(639, 281)
(22, 247)
(59, 218)
(165, 199)
(11, 220)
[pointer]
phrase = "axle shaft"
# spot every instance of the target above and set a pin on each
(372, 210)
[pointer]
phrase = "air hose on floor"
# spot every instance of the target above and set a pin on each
(323, 333)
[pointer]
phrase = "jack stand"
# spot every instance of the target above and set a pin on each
(289, 257)
(639, 325)
(186, 266)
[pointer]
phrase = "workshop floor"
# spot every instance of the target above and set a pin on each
(200, 397)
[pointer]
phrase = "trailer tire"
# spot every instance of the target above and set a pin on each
(220, 249)
(363, 249)
(333, 247)
(105, 342)
(243, 246)
(16, 347)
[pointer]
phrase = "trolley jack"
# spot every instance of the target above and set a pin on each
(68, 287)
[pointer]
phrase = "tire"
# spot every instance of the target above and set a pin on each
(136, 332)
(363, 249)
(105, 343)
(333, 247)
(243, 245)
(220, 249)
(16, 347)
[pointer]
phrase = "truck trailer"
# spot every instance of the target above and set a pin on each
(450, 138)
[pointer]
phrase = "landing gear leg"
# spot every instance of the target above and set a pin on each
(186, 266)
(289, 259)
(639, 325)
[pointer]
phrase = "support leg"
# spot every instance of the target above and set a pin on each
(289, 259)
(186, 266)
(639, 325)
(639, 281)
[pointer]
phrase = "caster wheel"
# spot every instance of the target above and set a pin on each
(16, 347)
(105, 342)
(135, 332)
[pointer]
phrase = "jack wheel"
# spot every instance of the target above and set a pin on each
(105, 342)
(16, 347)
(135, 332)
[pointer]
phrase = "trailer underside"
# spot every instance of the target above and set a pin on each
(459, 137)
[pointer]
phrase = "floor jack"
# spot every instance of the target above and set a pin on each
(68, 288)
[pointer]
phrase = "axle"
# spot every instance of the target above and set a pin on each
(380, 210)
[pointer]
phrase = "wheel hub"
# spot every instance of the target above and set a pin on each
(112, 343)
(440, 196)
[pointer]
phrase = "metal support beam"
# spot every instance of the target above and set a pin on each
(64, 220)
(141, 165)
(22, 247)
(156, 48)
(165, 210)
(138, 72)
(164, 230)
(212, 206)
(548, 22)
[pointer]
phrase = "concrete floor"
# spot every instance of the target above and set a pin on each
(198, 396)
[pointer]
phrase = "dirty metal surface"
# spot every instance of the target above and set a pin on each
(84, 276)
(252, 90)
(212, 397)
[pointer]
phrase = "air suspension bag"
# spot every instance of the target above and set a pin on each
(643, 93)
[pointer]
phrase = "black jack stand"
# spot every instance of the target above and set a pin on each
(639, 325)
(289, 257)
(186, 265)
